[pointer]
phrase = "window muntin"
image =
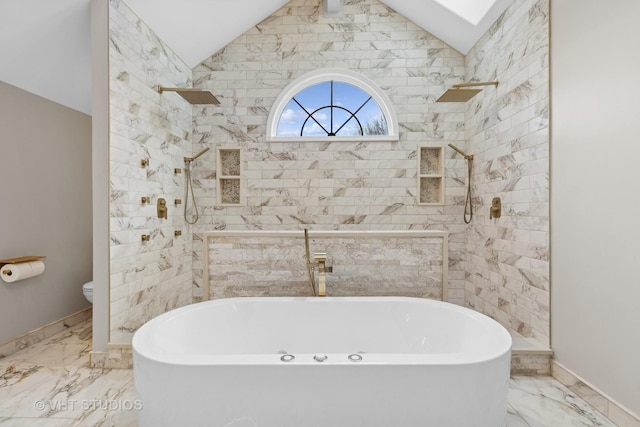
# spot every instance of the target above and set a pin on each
(332, 108)
(312, 78)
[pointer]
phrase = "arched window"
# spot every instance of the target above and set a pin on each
(332, 108)
(336, 104)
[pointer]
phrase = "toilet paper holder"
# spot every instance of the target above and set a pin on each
(18, 260)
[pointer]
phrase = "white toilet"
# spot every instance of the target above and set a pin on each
(87, 290)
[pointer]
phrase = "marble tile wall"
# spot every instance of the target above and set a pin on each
(506, 129)
(530, 364)
(331, 185)
(147, 278)
(335, 185)
(362, 265)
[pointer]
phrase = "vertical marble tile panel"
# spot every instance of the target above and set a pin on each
(147, 278)
(506, 131)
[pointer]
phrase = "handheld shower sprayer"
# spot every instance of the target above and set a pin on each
(189, 183)
(467, 200)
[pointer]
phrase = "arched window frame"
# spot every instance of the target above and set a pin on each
(339, 75)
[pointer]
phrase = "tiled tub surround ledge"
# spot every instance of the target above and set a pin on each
(44, 332)
(365, 263)
(117, 356)
(529, 357)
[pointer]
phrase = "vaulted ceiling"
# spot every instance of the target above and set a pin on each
(45, 44)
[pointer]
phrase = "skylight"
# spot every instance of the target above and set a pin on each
(471, 11)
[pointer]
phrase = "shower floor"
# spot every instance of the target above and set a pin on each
(50, 384)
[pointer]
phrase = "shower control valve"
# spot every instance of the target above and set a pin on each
(162, 208)
(496, 208)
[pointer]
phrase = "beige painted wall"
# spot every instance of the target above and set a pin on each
(595, 234)
(45, 208)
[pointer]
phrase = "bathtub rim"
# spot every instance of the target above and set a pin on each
(301, 359)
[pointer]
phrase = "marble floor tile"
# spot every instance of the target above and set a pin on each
(514, 419)
(70, 347)
(36, 422)
(544, 402)
(58, 392)
(50, 384)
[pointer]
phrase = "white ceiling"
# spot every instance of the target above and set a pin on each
(45, 44)
(45, 48)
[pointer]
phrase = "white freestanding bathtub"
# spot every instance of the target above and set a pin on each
(335, 362)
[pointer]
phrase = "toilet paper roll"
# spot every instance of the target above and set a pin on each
(23, 270)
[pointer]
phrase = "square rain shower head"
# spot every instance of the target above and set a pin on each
(199, 97)
(192, 95)
(458, 95)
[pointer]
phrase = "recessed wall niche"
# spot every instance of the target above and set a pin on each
(228, 176)
(430, 175)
